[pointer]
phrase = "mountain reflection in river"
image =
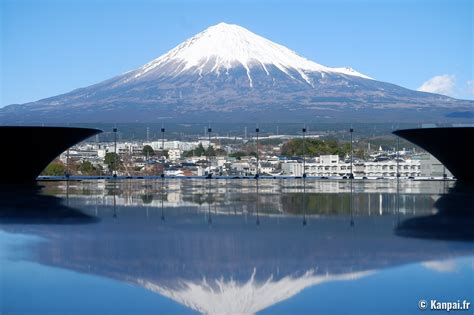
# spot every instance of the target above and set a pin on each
(222, 247)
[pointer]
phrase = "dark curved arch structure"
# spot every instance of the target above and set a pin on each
(448, 145)
(26, 151)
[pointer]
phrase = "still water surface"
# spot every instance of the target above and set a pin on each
(235, 247)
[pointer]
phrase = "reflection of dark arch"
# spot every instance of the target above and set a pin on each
(25, 204)
(454, 219)
(28, 150)
(448, 145)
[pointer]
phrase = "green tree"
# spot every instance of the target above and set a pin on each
(147, 198)
(112, 160)
(314, 147)
(164, 153)
(359, 153)
(221, 152)
(86, 168)
(253, 153)
(199, 151)
(210, 151)
(238, 154)
(148, 151)
(55, 168)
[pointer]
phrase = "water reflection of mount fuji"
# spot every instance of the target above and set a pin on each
(230, 264)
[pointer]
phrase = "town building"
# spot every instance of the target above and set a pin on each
(174, 154)
(431, 167)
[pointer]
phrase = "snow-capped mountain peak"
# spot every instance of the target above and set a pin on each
(220, 296)
(223, 46)
(227, 73)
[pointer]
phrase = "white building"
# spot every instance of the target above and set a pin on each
(407, 168)
(182, 145)
(329, 159)
(101, 153)
(243, 168)
(265, 168)
(292, 168)
(330, 165)
(431, 167)
(218, 161)
(174, 154)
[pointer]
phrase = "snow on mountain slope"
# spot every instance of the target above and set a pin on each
(224, 46)
(229, 73)
(218, 296)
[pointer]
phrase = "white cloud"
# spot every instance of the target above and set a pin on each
(441, 84)
(441, 266)
(470, 87)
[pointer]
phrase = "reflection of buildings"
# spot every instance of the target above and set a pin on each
(234, 266)
(231, 264)
(276, 196)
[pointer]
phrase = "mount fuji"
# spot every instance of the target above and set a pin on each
(227, 73)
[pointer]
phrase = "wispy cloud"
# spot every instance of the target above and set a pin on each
(470, 87)
(440, 266)
(441, 84)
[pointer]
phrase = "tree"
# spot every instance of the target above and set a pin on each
(221, 152)
(359, 153)
(112, 160)
(147, 198)
(199, 151)
(148, 151)
(314, 147)
(86, 168)
(164, 153)
(210, 151)
(55, 168)
(238, 154)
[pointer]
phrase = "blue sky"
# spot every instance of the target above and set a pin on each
(51, 47)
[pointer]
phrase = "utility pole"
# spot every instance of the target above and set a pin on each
(162, 170)
(304, 201)
(258, 203)
(209, 130)
(398, 157)
(351, 205)
(257, 130)
(67, 164)
(352, 154)
(304, 151)
(162, 151)
(115, 151)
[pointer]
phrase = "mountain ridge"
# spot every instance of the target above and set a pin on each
(229, 73)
